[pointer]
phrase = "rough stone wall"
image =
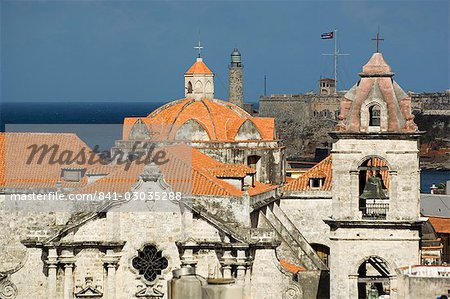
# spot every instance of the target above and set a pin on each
(307, 215)
(402, 158)
(438, 102)
(268, 279)
(396, 247)
(416, 287)
(31, 286)
(236, 86)
(302, 121)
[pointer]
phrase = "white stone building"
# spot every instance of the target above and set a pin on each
(338, 231)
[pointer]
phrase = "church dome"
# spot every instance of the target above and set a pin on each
(200, 120)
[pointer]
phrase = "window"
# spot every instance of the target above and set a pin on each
(72, 174)
(255, 163)
(316, 182)
(322, 251)
(374, 116)
(150, 263)
(189, 87)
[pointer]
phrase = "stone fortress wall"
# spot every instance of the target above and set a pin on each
(304, 120)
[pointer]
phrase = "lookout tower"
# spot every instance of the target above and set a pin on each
(327, 87)
(375, 220)
(236, 95)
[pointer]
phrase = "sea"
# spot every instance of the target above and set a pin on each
(100, 124)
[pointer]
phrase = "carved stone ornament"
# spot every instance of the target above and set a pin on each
(8, 290)
(89, 290)
(293, 291)
(149, 292)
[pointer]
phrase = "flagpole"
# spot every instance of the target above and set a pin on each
(335, 62)
(335, 55)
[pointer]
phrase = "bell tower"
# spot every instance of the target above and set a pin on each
(199, 79)
(375, 223)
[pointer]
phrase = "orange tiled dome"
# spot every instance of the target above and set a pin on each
(217, 120)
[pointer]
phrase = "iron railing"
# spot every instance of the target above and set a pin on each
(374, 210)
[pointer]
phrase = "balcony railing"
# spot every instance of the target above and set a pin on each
(374, 210)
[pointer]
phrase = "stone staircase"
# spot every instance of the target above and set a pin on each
(295, 241)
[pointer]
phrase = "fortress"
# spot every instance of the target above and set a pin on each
(304, 120)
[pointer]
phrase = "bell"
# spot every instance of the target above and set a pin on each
(373, 189)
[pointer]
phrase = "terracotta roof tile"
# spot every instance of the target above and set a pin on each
(17, 172)
(440, 225)
(291, 267)
(323, 169)
(188, 171)
(199, 67)
(220, 119)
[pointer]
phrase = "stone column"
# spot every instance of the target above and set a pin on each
(227, 261)
(393, 198)
(188, 259)
(241, 265)
(248, 278)
(111, 262)
(353, 285)
(52, 264)
(67, 259)
(354, 196)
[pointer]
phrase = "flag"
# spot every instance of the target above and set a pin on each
(327, 35)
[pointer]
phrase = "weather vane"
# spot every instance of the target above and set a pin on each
(199, 48)
(378, 39)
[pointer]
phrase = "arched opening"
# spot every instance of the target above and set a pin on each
(198, 87)
(374, 116)
(323, 251)
(373, 278)
(255, 163)
(208, 87)
(374, 188)
(189, 87)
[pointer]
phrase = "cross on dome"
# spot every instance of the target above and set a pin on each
(199, 47)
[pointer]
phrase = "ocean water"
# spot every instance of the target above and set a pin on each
(100, 123)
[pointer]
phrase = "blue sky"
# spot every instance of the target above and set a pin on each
(139, 50)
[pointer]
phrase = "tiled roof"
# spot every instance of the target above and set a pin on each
(324, 170)
(188, 171)
(291, 267)
(441, 225)
(220, 119)
(321, 170)
(19, 173)
(199, 67)
(102, 169)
